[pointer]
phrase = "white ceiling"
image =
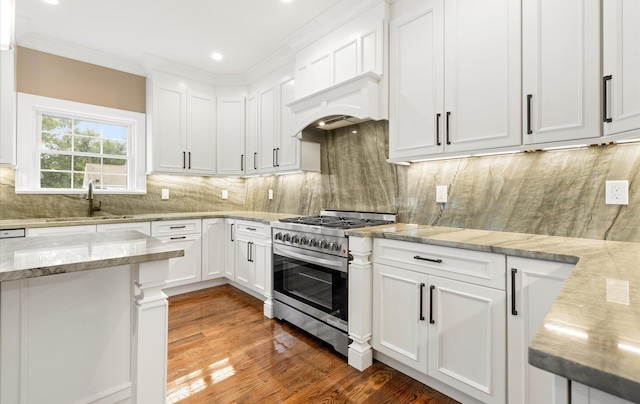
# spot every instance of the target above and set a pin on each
(246, 32)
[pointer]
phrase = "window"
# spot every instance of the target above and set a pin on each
(62, 145)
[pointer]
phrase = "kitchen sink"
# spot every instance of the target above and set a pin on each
(81, 218)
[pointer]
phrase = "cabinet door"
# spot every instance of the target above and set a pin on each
(213, 244)
(416, 85)
(230, 136)
(169, 127)
(186, 269)
(229, 252)
(537, 284)
(267, 130)
(288, 153)
(467, 339)
(7, 107)
(621, 47)
(251, 135)
(482, 74)
(201, 140)
(243, 263)
(259, 262)
(561, 70)
(400, 315)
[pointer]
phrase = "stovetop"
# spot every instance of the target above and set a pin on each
(335, 222)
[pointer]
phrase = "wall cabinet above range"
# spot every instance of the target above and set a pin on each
(182, 134)
(454, 77)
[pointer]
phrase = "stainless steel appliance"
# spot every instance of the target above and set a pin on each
(310, 271)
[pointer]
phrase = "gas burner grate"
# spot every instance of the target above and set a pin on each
(335, 222)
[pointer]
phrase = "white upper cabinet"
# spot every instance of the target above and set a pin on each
(230, 136)
(561, 70)
(290, 148)
(183, 132)
(621, 61)
(251, 134)
(455, 78)
(267, 129)
(7, 107)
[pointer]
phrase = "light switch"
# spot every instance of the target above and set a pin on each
(165, 193)
(225, 194)
(271, 194)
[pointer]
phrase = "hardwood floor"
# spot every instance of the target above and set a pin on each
(223, 350)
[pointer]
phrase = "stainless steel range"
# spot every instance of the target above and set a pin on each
(310, 271)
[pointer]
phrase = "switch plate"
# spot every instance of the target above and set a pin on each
(441, 194)
(271, 194)
(225, 194)
(617, 192)
(165, 193)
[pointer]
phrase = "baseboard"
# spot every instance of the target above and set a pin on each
(192, 287)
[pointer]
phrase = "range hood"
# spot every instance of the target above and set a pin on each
(358, 99)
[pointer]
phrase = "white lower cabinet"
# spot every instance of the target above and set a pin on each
(532, 288)
(142, 227)
(61, 231)
(252, 253)
(185, 234)
(229, 246)
(467, 338)
(433, 311)
(581, 394)
(399, 322)
(213, 249)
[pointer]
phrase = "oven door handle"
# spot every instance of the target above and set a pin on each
(313, 260)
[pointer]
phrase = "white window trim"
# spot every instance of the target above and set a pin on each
(29, 106)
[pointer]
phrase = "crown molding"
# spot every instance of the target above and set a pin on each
(269, 65)
(328, 21)
(77, 52)
(156, 63)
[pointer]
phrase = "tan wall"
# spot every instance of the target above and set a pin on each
(54, 76)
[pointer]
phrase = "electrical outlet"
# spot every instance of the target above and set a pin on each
(617, 192)
(441, 194)
(165, 193)
(225, 194)
(271, 194)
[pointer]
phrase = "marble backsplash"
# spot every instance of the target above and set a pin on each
(187, 194)
(558, 193)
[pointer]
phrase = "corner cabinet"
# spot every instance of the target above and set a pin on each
(229, 249)
(442, 311)
(230, 134)
(182, 126)
(454, 78)
(561, 80)
(213, 259)
(533, 286)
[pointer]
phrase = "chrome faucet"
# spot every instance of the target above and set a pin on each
(90, 199)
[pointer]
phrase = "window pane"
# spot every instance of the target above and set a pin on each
(56, 124)
(86, 144)
(55, 162)
(111, 181)
(115, 131)
(87, 128)
(52, 141)
(86, 164)
(114, 173)
(55, 180)
(115, 147)
(78, 180)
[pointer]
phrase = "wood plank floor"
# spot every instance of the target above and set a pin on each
(223, 350)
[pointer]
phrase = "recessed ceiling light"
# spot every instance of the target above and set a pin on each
(216, 56)
(54, 2)
(321, 123)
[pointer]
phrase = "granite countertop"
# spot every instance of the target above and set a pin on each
(592, 332)
(263, 217)
(22, 258)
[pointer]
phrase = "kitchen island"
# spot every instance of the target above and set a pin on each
(83, 318)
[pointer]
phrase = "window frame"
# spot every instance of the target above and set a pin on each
(30, 109)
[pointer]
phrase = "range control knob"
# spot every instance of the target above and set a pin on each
(287, 237)
(335, 246)
(278, 236)
(324, 243)
(304, 240)
(295, 239)
(313, 242)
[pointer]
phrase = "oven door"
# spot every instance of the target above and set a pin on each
(312, 282)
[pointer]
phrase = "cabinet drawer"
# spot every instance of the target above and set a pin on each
(481, 268)
(61, 231)
(142, 227)
(249, 227)
(173, 227)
